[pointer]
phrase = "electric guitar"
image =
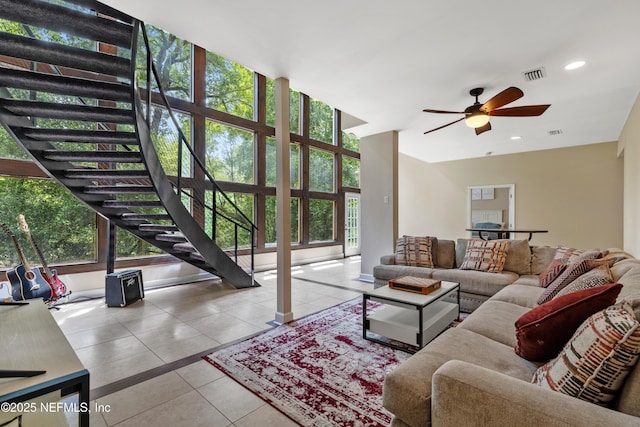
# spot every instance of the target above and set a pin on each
(58, 289)
(26, 283)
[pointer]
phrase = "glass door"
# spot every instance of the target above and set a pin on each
(352, 224)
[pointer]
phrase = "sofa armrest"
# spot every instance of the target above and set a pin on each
(388, 260)
(464, 394)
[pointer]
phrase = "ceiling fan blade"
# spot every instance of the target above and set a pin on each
(524, 111)
(444, 126)
(508, 95)
(484, 128)
(442, 111)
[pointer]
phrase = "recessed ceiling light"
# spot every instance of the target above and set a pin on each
(516, 137)
(574, 65)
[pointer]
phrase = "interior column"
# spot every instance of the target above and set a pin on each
(283, 202)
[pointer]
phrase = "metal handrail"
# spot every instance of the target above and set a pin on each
(151, 70)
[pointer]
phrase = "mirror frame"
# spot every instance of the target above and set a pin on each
(512, 203)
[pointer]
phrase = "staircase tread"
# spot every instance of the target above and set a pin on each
(93, 27)
(67, 111)
(49, 52)
(63, 85)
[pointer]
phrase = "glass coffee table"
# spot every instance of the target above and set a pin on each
(407, 317)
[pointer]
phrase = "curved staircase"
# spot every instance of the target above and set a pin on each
(78, 111)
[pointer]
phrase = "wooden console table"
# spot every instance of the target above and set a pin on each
(32, 341)
(503, 233)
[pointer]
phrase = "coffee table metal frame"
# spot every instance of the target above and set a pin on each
(408, 301)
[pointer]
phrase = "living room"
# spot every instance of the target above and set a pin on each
(584, 193)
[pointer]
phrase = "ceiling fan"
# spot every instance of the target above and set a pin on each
(477, 115)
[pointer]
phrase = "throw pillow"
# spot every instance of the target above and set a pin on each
(543, 331)
(486, 256)
(600, 275)
(417, 251)
(595, 362)
(554, 269)
(562, 258)
(572, 272)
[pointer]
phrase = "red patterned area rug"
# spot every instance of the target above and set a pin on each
(317, 370)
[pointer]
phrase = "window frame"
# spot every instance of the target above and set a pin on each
(200, 113)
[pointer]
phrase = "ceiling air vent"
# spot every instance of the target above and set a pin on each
(536, 74)
(554, 132)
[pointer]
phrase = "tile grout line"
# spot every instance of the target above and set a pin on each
(140, 377)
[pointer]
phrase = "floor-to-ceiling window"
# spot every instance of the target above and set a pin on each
(228, 113)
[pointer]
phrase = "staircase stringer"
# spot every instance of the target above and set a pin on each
(179, 214)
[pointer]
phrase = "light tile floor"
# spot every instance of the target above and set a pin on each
(145, 359)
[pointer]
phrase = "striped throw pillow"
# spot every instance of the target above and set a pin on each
(416, 251)
(489, 255)
(595, 362)
(571, 273)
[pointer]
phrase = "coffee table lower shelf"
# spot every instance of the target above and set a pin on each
(401, 324)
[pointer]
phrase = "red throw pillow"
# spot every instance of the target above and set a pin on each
(543, 331)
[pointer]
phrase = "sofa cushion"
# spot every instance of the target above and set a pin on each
(620, 268)
(461, 250)
(522, 295)
(594, 363)
(631, 289)
(541, 256)
(572, 272)
(528, 279)
(388, 272)
(419, 251)
(543, 331)
(407, 388)
(495, 320)
(476, 282)
(388, 259)
(482, 255)
(600, 275)
(518, 257)
(446, 254)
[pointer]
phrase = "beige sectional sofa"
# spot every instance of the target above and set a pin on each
(476, 287)
(471, 376)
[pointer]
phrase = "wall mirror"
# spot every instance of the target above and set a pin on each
(491, 204)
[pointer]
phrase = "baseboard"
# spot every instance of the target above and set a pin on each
(368, 278)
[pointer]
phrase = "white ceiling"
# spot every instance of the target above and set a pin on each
(384, 61)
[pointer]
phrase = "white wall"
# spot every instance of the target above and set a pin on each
(629, 147)
(576, 193)
(378, 198)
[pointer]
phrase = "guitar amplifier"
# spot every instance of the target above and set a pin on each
(123, 288)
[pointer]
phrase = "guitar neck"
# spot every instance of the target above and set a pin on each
(36, 249)
(23, 259)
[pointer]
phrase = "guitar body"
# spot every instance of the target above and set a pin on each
(30, 284)
(16, 284)
(58, 289)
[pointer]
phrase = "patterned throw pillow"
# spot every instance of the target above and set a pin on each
(542, 331)
(486, 256)
(596, 360)
(563, 257)
(600, 275)
(416, 251)
(554, 269)
(571, 273)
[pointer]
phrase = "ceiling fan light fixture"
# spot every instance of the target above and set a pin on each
(477, 119)
(574, 65)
